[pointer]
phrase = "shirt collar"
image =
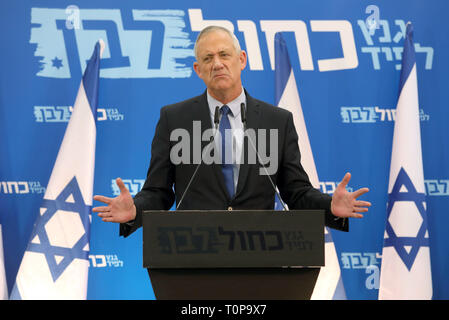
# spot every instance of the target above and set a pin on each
(234, 105)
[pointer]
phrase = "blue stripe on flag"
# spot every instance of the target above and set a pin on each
(90, 80)
(408, 60)
(283, 66)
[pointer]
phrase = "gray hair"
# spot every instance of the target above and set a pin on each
(215, 28)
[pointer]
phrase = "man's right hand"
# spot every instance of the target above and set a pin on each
(119, 209)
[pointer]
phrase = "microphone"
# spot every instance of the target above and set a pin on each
(216, 123)
(243, 116)
(217, 117)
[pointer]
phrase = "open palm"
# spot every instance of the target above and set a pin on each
(119, 209)
(345, 204)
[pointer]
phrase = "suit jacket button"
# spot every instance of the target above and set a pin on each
(229, 208)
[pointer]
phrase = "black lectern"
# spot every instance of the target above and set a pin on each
(233, 255)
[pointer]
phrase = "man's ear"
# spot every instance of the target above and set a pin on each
(196, 67)
(243, 59)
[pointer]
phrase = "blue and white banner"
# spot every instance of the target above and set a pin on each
(56, 262)
(287, 97)
(3, 285)
(346, 57)
(406, 268)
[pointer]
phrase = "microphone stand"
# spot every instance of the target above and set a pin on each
(243, 116)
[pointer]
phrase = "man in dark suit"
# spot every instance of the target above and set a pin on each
(228, 184)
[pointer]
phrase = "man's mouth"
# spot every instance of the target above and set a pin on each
(220, 75)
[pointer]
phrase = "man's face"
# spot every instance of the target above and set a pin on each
(219, 64)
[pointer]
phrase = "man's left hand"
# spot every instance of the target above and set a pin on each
(345, 204)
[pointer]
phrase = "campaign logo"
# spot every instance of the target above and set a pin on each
(133, 185)
(329, 187)
(21, 187)
(368, 261)
(359, 260)
(63, 114)
(372, 114)
(105, 261)
(383, 40)
(385, 43)
(437, 187)
(139, 43)
(203, 240)
(342, 29)
(156, 44)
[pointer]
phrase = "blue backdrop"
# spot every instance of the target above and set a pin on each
(347, 77)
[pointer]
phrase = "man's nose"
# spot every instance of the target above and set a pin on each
(217, 63)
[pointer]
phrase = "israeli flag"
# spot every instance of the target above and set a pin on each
(3, 285)
(56, 261)
(405, 271)
(329, 284)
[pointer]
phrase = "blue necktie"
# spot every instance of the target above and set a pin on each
(226, 150)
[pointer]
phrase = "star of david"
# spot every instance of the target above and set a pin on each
(75, 204)
(399, 243)
(57, 63)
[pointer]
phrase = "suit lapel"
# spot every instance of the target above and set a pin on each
(252, 122)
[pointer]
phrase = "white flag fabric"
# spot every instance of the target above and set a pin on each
(55, 263)
(3, 285)
(405, 271)
(329, 284)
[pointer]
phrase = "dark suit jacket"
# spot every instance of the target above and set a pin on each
(207, 190)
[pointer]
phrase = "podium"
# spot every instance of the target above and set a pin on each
(233, 255)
